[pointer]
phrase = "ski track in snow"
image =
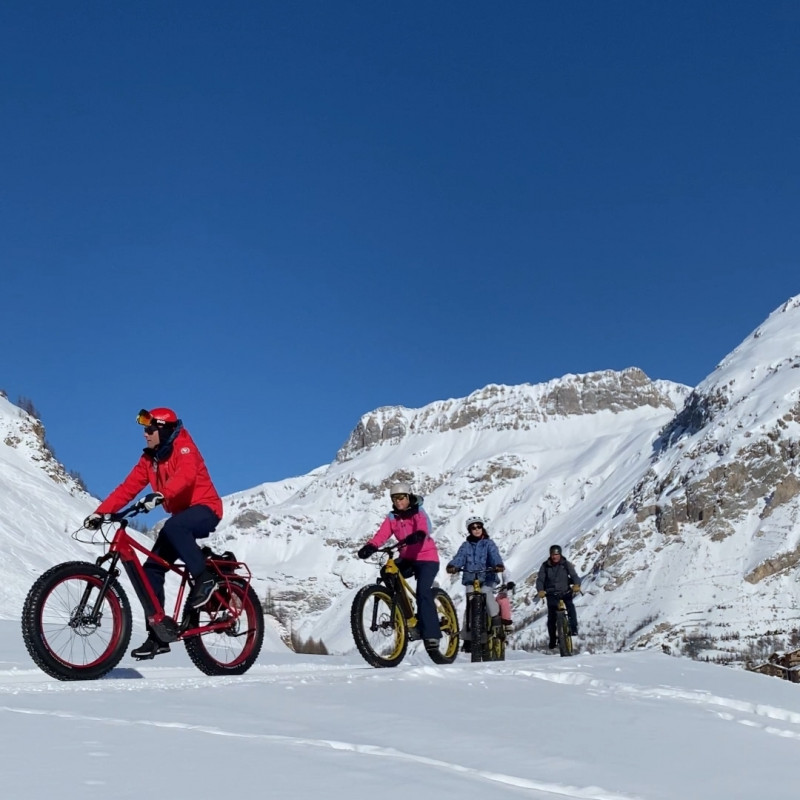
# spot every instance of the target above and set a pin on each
(700, 698)
(17, 682)
(561, 790)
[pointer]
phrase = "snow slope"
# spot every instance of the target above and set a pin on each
(629, 726)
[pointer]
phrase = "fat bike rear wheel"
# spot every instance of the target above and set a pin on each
(233, 648)
(448, 624)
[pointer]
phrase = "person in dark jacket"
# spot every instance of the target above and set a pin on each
(408, 522)
(177, 473)
(558, 580)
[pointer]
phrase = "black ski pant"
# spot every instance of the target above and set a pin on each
(178, 540)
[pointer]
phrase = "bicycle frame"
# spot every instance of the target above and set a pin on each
(401, 590)
(123, 547)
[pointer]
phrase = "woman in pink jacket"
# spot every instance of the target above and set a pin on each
(410, 524)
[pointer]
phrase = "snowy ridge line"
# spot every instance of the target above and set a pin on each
(561, 790)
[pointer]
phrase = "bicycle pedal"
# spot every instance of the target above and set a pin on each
(145, 658)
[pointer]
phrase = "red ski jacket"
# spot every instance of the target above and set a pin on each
(177, 471)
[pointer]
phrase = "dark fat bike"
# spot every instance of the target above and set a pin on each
(76, 620)
(563, 630)
(487, 636)
(383, 618)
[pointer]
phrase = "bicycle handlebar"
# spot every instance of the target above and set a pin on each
(131, 511)
(390, 548)
(496, 570)
(500, 587)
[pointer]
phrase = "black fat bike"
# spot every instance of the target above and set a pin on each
(563, 631)
(487, 636)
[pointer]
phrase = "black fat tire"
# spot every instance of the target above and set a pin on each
(564, 636)
(58, 646)
(477, 625)
(448, 624)
(387, 644)
(233, 650)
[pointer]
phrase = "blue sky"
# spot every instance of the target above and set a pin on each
(276, 217)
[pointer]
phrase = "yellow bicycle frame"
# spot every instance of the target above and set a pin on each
(407, 606)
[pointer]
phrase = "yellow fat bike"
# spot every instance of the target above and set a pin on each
(383, 618)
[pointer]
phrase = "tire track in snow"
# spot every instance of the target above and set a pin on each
(717, 704)
(539, 787)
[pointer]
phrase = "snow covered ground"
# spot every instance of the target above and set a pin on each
(632, 725)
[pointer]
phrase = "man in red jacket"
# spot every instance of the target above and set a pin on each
(174, 468)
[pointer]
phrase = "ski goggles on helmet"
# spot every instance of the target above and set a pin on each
(151, 424)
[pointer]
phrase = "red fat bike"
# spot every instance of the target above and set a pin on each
(76, 621)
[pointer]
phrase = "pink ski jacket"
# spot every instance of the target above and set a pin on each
(400, 524)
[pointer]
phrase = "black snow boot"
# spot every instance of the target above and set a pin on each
(151, 648)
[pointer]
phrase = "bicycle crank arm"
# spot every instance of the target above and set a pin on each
(166, 630)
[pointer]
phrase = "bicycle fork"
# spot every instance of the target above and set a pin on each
(79, 616)
(399, 600)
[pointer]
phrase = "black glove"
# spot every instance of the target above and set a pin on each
(510, 586)
(152, 500)
(452, 570)
(499, 568)
(414, 538)
(367, 550)
(93, 522)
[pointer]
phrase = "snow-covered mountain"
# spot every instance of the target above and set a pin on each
(678, 506)
(706, 544)
(40, 504)
(524, 457)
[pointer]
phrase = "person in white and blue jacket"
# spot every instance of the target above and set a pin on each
(478, 553)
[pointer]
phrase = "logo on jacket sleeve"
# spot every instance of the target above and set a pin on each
(185, 450)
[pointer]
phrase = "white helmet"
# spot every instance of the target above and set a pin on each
(473, 520)
(400, 488)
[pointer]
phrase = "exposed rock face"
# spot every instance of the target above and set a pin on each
(772, 566)
(603, 391)
(26, 433)
(513, 407)
(718, 510)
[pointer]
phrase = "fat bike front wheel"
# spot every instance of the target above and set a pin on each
(378, 626)
(564, 636)
(69, 630)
